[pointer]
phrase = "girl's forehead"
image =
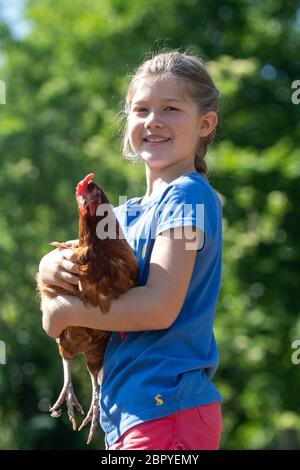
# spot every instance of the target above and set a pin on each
(158, 87)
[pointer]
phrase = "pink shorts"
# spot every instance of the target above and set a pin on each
(198, 428)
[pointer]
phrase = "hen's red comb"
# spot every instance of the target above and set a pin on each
(83, 184)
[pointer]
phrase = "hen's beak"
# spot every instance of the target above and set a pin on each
(92, 208)
(87, 207)
(88, 202)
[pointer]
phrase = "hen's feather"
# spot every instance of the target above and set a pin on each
(107, 269)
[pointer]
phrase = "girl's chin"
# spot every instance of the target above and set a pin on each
(153, 160)
(152, 156)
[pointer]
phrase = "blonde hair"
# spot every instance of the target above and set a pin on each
(191, 73)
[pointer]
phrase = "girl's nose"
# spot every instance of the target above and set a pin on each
(153, 121)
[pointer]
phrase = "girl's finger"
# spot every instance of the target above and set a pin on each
(67, 253)
(70, 255)
(70, 278)
(68, 287)
(69, 266)
(73, 257)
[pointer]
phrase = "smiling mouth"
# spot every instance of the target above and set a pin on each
(156, 141)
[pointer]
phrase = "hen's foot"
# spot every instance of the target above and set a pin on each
(67, 395)
(92, 416)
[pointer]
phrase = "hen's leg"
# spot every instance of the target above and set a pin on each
(93, 413)
(67, 395)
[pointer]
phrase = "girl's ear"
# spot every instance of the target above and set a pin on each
(208, 122)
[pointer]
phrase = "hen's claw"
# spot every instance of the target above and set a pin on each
(56, 413)
(67, 395)
(92, 416)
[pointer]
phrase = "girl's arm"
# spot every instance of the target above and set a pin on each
(153, 306)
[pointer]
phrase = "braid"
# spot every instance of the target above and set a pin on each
(200, 163)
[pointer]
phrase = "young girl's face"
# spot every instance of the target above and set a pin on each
(163, 124)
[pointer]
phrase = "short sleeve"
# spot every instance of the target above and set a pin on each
(187, 207)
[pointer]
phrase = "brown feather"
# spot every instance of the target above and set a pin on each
(108, 268)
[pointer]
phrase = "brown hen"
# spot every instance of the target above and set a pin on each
(108, 268)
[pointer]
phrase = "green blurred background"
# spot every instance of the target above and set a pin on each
(66, 67)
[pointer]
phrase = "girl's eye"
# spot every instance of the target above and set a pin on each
(141, 110)
(144, 110)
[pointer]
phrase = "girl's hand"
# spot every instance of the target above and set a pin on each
(58, 268)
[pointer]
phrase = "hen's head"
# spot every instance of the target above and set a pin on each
(89, 196)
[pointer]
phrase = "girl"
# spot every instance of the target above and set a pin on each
(157, 391)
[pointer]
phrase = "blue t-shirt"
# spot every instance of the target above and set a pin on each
(151, 374)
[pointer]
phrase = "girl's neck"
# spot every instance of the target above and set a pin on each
(158, 179)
